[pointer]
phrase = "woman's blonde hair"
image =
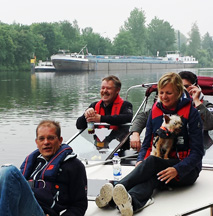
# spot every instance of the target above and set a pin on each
(174, 79)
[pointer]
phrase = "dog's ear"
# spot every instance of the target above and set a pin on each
(181, 117)
(167, 119)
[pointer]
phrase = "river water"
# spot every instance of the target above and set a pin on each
(26, 99)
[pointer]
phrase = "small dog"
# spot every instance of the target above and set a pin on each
(170, 128)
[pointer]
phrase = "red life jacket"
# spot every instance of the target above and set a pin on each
(184, 112)
(116, 108)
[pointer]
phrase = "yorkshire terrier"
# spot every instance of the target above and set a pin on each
(170, 128)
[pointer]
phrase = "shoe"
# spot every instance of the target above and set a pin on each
(105, 195)
(123, 200)
(149, 202)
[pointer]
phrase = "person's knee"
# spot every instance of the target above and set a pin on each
(152, 162)
(7, 171)
(152, 159)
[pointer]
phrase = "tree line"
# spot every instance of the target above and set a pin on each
(19, 43)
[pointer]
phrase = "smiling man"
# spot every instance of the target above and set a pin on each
(111, 109)
(52, 180)
(49, 145)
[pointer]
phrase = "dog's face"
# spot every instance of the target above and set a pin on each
(173, 123)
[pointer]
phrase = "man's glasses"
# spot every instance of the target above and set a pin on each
(49, 138)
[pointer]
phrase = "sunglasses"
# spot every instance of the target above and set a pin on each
(187, 86)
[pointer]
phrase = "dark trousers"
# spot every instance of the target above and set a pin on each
(142, 181)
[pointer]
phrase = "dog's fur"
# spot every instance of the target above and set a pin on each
(172, 126)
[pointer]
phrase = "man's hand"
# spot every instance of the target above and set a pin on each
(94, 118)
(195, 92)
(135, 141)
(167, 175)
(89, 113)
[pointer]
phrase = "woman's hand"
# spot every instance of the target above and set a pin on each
(138, 163)
(167, 175)
(135, 141)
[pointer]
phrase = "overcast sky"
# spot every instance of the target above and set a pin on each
(106, 17)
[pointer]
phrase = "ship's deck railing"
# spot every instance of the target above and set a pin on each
(198, 210)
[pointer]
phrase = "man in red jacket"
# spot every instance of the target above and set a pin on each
(111, 109)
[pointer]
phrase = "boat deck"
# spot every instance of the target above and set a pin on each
(167, 203)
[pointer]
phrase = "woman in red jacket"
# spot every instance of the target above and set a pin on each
(134, 192)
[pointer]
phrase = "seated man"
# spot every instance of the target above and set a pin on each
(138, 125)
(52, 180)
(111, 109)
(204, 107)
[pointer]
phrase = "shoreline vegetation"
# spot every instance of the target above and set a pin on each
(20, 43)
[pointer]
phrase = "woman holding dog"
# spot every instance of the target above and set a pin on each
(133, 192)
(204, 107)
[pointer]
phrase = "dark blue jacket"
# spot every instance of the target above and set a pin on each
(191, 132)
(58, 184)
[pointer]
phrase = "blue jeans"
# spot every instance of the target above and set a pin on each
(16, 196)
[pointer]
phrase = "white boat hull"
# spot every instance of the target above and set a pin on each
(46, 66)
(70, 65)
(44, 69)
(70, 62)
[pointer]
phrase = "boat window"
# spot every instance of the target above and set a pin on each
(98, 146)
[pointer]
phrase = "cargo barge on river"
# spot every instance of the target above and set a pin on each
(66, 61)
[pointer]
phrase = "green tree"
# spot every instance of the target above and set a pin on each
(207, 44)
(124, 43)
(181, 41)
(71, 34)
(135, 24)
(7, 45)
(161, 37)
(204, 58)
(47, 31)
(91, 39)
(194, 41)
(183, 49)
(96, 44)
(24, 44)
(40, 48)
